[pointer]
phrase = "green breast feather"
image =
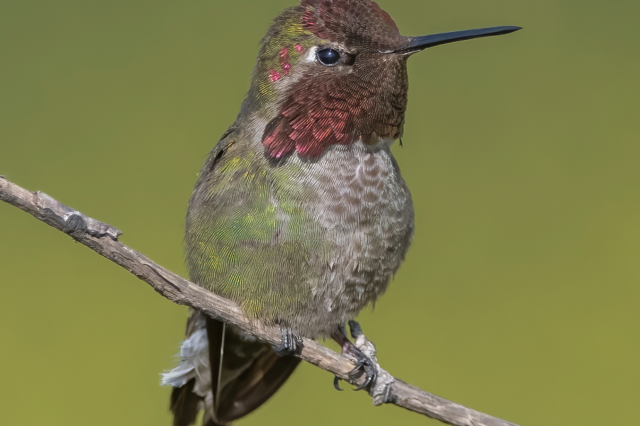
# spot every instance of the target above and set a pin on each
(248, 238)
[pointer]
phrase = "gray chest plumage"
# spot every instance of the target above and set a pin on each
(365, 211)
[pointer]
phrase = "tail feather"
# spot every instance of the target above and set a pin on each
(185, 404)
(251, 372)
(225, 372)
(208, 421)
(255, 385)
(216, 337)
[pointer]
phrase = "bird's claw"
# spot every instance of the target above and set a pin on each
(291, 344)
(336, 383)
(364, 365)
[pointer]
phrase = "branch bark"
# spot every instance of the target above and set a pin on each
(103, 239)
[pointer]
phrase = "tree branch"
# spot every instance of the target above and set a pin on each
(103, 239)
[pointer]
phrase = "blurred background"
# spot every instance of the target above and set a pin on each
(520, 294)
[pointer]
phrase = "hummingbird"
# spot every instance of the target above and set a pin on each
(300, 214)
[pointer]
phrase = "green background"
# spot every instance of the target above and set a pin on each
(519, 296)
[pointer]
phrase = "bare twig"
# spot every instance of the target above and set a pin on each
(103, 239)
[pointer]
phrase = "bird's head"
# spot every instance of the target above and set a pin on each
(334, 72)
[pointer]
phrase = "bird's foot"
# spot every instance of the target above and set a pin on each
(291, 343)
(364, 364)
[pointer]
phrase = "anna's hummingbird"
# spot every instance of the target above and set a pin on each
(300, 214)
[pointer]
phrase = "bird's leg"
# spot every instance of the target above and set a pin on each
(363, 362)
(356, 330)
(291, 343)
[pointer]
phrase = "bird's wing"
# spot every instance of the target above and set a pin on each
(251, 236)
(238, 246)
(249, 372)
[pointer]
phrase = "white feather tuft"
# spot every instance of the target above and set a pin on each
(194, 363)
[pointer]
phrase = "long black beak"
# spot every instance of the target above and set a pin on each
(417, 44)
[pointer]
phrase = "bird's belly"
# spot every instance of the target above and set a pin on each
(365, 211)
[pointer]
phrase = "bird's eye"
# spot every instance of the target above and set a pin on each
(328, 57)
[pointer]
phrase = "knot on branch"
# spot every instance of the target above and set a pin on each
(71, 221)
